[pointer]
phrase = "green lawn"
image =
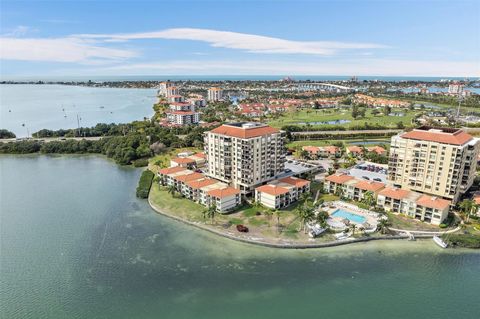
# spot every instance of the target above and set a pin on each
(177, 205)
(309, 116)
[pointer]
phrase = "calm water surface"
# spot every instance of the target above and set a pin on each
(76, 243)
(56, 106)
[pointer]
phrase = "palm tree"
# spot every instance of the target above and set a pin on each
(277, 214)
(268, 213)
(321, 217)
(369, 199)
(467, 207)
(211, 212)
(383, 225)
(306, 213)
(339, 191)
(172, 190)
(353, 227)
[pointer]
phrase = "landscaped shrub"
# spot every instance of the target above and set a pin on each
(144, 184)
(140, 162)
(443, 225)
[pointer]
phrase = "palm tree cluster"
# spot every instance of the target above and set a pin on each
(305, 211)
(468, 208)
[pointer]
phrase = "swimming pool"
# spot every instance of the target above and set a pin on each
(350, 216)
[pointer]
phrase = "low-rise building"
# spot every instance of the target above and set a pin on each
(377, 149)
(282, 192)
(323, 151)
(201, 189)
(355, 150)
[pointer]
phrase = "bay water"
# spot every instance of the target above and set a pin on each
(76, 243)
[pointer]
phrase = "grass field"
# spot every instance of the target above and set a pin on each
(310, 116)
(260, 221)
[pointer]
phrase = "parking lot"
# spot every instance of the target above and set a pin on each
(370, 171)
(294, 167)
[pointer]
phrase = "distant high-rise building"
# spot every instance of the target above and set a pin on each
(455, 88)
(215, 94)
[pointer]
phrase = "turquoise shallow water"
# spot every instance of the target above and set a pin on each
(76, 243)
(45, 106)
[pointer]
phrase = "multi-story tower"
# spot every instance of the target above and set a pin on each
(436, 161)
(455, 88)
(245, 155)
(182, 113)
(215, 94)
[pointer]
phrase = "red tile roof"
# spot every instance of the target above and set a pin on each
(355, 149)
(200, 154)
(241, 132)
(456, 138)
(199, 183)
(224, 192)
(272, 189)
(311, 149)
(171, 170)
(371, 186)
(433, 202)
(331, 149)
(189, 177)
(339, 178)
(395, 193)
(376, 149)
(295, 181)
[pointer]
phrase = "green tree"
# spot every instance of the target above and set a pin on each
(172, 190)
(369, 199)
(467, 206)
(382, 225)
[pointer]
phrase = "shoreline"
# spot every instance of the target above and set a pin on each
(260, 242)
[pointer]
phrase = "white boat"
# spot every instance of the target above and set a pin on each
(440, 242)
(315, 230)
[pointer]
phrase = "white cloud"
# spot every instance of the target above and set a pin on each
(19, 31)
(367, 66)
(242, 41)
(69, 49)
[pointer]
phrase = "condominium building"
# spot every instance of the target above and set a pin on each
(215, 94)
(182, 113)
(201, 189)
(430, 209)
(245, 155)
(427, 208)
(183, 117)
(437, 161)
(281, 192)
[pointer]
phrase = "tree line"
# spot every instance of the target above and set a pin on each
(142, 141)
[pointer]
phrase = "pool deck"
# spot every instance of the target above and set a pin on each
(370, 217)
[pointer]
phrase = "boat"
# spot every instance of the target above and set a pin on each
(440, 242)
(316, 230)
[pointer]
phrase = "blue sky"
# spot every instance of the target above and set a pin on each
(391, 38)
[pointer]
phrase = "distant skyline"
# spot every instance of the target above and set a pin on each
(364, 38)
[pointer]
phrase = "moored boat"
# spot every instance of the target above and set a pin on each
(440, 242)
